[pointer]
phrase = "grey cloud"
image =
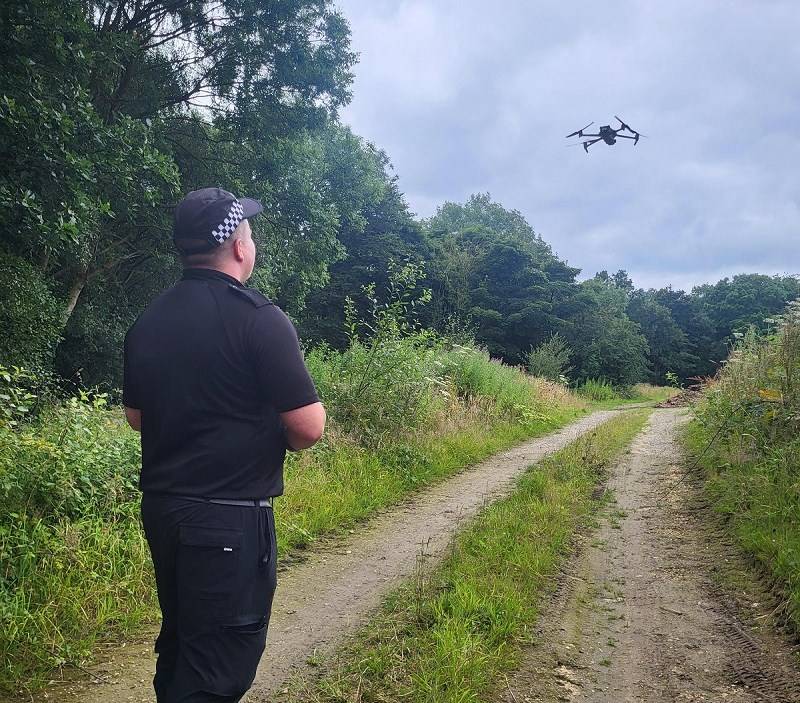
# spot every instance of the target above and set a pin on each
(466, 97)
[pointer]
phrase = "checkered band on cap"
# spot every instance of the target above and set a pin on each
(230, 223)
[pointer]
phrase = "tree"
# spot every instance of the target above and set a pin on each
(666, 341)
(374, 230)
(492, 272)
(605, 342)
(688, 313)
(108, 111)
(734, 305)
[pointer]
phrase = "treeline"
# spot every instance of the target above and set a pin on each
(110, 111)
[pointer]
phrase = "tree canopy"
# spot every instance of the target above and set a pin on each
(111, 111)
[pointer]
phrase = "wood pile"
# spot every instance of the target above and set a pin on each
(686, 397)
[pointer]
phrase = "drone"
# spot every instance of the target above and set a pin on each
(608, 135)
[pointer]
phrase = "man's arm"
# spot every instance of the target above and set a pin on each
(284, 378)
(304, 426)
(130, 398)
(134, 418)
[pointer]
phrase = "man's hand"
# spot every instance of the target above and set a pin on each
(304, 426)
(134, 418)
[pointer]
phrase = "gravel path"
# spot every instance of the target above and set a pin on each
(333, 592)
(640, 614)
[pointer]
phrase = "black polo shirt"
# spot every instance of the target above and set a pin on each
(211, 364)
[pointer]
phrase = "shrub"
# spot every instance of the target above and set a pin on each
(386, 379)
(598, 389)
(30, 315)
(550, 359)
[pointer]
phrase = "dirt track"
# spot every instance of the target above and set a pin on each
(328, 596)
(640, 614)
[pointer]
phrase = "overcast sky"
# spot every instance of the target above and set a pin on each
(469, 96)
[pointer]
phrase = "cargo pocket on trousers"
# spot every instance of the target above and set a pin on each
(244, 645)
(208, 570)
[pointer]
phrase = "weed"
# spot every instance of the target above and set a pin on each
(745, 438)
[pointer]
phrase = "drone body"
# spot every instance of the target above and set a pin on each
(606, 134)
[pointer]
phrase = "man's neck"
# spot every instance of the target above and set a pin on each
(232, 271)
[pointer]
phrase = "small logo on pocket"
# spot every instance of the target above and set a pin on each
(227, 549)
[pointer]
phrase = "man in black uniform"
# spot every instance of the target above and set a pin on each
(215, 382)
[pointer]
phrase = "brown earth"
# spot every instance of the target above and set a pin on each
(682, 399)
(652, 607)
(332, 593)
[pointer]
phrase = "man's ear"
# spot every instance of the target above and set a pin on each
(238, 249)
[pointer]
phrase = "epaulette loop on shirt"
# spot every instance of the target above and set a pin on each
(252, 295)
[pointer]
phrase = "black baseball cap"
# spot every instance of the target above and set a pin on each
(205, 218)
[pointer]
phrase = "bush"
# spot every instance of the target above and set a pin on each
(75, 565)
(73, 460)
(598, 389)
(474, 374)
(386, 380)
(550, 359)
(30, 315)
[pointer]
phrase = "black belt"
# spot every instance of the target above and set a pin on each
(250, 502)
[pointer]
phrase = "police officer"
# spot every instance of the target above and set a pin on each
(215, 382)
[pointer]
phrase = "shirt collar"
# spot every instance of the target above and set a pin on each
(206, 274)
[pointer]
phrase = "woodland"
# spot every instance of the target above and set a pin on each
(111, 111)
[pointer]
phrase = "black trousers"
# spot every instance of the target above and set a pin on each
(215, 569)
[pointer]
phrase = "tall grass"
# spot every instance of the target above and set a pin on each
(598, 389)
(405, 410)
(747, 439)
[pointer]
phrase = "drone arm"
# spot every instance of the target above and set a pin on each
(586, 145)
(579, 133)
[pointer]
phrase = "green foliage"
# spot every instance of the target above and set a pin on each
(386, 378)
(380, 231)
(745, 437)
(30, 315)
(713, 314)
(597, 389)
(550, 359)
(17, 396)
(73, 460)
(100, 131)
(666, 342)
(74, 560)
(606, 343)
(491, 270)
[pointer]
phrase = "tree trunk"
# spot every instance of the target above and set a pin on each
(75, 291)
(44, 260)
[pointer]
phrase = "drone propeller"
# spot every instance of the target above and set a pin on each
(579, 132)
(628, 127)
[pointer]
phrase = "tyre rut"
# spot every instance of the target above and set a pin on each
(639, 615)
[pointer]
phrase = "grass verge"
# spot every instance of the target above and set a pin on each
(758, 496)
(446, 636)
(745, 440)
